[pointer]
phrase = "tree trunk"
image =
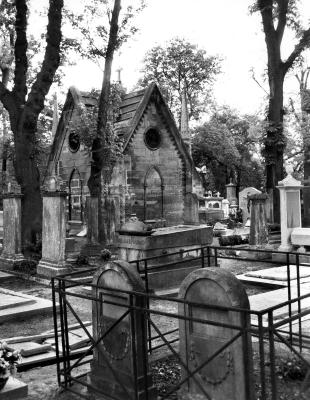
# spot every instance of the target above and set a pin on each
(102, 163)
(28, 177)
(275, 141)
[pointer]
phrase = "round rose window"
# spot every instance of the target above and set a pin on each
(74, 142)
(152, 139)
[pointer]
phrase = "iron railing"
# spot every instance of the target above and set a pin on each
(161, 339)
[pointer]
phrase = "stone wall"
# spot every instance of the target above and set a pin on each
(168, 165)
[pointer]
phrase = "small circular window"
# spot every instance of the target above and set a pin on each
(74, 142)
(152, 139)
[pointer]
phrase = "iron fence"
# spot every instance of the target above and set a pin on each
(272, 330)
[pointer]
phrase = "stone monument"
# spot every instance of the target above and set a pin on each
(228, 375)
(12, 248)
(289, 189)
(243, 201)
(258, 226)
(119, 368)
(53, 230)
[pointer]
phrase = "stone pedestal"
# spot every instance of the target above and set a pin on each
(290, 209)
(92, 247)
(11, 253)
(120, 367)
(53, 262)
(258, 226)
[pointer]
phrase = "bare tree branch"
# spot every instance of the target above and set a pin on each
(51, 60)
(283, 8)
(20, 49)
(301, 45)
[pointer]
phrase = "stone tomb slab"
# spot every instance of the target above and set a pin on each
(14, 389)
(4, 276)
(262, 301)
(13, 300)
(14, 305)
(280, 273)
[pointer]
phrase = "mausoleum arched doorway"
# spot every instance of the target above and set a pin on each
(75, 198)
(153, 195)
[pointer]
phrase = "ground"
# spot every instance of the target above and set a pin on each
(42, 382)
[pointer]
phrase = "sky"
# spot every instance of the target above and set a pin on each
(221, 27)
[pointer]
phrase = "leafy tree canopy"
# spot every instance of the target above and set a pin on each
(178, 66)
(228, 145)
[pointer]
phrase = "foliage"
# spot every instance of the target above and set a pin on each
(229, 146)
(86, 124)
(291, 368)
(177, 66)
(90, 26)
(232, 240)
(8, 358)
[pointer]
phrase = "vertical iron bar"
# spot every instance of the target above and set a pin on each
(272, 357)
(66, 331)
(133, 343)
(144, 344)
(209, 256)
(299, 304)
(62, 329)
(215, 256)
(289, 294)
(246, 327)
(148, 306)
(202, 257)
(56, 331)
(262, 356)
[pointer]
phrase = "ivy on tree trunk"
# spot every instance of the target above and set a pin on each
(24, 105)
(274, 25)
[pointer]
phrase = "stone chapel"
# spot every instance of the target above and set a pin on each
(155, 178)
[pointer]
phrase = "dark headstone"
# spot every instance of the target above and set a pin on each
(118, 367)
(229, 374)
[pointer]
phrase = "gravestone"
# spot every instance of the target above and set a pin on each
(244, 201)
(228, 375)
(118, 369)
(11, 253)
(231, 193)
(225, 208)
(53, 261)
(258, 225)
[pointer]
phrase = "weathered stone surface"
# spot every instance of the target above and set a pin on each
(243, 201)
(16, 305)
(258, 226)
(14, 389)
(228, 375)
(118, 368)
(300, 237)
(290, 209)
(53, 235)
(11, 251)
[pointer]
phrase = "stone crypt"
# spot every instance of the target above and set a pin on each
(155, 179)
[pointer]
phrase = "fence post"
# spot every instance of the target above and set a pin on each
(272, 357)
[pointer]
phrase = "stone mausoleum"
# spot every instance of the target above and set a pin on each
(155, 179)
